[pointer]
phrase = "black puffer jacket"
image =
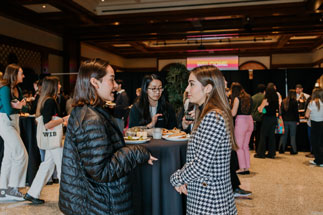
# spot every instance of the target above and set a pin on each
(99, 183)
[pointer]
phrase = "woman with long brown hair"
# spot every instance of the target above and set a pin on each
(291, 119)
(241, 109)
(47, 107)
(205, 178)
(96, 162)
(315, 113)
(15, 159)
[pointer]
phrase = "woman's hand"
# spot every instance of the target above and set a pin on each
(181, 189)
(151, 159)
(65, 120)
(23, 102)
(154, 119)
(17, 104)
(263, 104)
(186, 123)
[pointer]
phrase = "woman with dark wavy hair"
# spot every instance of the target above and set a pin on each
(290, 116)
(269, 107)
(152, 110)
(241, 109)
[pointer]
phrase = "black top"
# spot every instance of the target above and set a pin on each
(272, 108)
(166, 121)
(292, 113)
(121, 109)
(49, 110)
(239, 108)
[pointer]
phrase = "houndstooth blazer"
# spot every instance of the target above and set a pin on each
(207, 169)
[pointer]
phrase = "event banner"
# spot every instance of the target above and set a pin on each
(223, 62)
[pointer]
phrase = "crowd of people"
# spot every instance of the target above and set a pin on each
(94, 164)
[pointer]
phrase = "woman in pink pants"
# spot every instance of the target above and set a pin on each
(241, 109)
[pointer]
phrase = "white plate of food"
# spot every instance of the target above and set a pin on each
(136, 140)
(181, 136)
(184, 138)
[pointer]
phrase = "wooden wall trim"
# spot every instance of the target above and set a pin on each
(27, 45)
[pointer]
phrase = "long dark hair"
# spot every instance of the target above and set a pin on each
(84, 92)
(291, 97)
(244, 98)
(143, 102)
(271, 95)
(49, 90)
(217, 100)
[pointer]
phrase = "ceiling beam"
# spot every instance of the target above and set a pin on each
(283, 40)
(140, 47)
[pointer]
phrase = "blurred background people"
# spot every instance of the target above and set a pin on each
(291, 120)
(269, 107)
(241, 110)
(315, 113)
(121, 109)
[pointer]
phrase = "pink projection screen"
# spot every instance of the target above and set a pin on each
(223, 63)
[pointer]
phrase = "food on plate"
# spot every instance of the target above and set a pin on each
(180, 134)
(110, 103)
(134, 138)
(173, 131)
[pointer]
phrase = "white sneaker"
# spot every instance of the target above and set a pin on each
(3, 193)
(313, 163)
(14, 194)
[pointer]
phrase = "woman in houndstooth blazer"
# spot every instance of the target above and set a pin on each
(205, 178)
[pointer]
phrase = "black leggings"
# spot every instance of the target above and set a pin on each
(317, 141)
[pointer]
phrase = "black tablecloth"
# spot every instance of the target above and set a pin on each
(28, 136)
(153, 193)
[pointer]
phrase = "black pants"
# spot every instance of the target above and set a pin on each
(267, 131)
(255, 135)
(317, 141)
(234, 166)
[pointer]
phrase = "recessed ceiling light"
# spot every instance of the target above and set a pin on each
(43, 6)
(116, 23)
(102, 0)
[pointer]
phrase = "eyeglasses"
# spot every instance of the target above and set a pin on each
(155, 90)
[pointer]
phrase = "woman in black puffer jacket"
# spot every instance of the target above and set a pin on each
(96, 161)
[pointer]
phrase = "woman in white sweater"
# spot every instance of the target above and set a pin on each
(315, 113)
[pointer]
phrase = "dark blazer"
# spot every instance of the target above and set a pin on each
(168, 120)
(96, 163)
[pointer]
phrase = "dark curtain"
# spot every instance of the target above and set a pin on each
(305, 77)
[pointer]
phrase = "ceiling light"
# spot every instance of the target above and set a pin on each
(116, 23)
(43, 6)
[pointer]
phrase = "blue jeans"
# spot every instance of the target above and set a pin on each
(290, 129)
